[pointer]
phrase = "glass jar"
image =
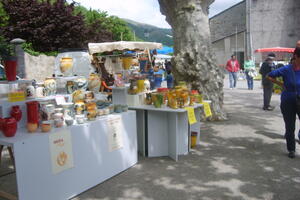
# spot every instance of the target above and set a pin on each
(46, 126)
(172, 99)
(91, 108)
(157, 99)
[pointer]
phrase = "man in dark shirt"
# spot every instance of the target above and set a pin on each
(267, 67)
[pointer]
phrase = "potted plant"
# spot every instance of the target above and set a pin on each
(8, 56)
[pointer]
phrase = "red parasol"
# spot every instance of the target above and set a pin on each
(275, 49)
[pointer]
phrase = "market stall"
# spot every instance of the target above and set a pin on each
(65, 135)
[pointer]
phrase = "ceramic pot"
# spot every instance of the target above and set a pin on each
(32, 111)
(30, 91)
(16, 113)
(40, 91)
(32, 116)
(80, 119)
(68, 113)
(58, 119)
(94, 82)
(70, 86)
(89, 96)
(81, 83)
(10, 67)
(91, 108)
(46, 126)
(66, 65)
(78, 95)
(79, 107)
(50, 86)
(9, 126)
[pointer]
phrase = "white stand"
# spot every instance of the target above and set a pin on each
(93, 163)
(164, 131)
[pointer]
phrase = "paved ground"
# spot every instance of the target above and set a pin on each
(242, 158)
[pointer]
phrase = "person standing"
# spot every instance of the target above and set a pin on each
(249, 68)
(289, 97)
(267, 66)
(232, 67)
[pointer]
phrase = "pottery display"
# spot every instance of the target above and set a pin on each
(79, 107)
(94, 82)
(30, 91)
(66, 66)
(68, 113)
(9, 126)
(50, 86)
(16, 113)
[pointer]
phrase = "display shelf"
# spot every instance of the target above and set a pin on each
(17, 81)
(94, 162)
(163, 108)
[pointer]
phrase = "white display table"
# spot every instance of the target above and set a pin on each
(93, 162)
(164, 131)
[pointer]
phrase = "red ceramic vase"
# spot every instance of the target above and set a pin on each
(9, 126)
(2, 120)
(10, 67)
(16, 113)
(32, 112)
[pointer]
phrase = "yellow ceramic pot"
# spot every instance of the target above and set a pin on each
(140, 85)
(94, 82)
(126, 61)
(50, 86)
(66, 64)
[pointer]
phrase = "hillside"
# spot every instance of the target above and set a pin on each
(151, 33)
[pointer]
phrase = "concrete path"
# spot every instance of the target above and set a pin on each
(242, 158)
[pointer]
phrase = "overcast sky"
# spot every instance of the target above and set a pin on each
(145, 11)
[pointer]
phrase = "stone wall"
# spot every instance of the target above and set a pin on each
(228, 22)
(38, 67)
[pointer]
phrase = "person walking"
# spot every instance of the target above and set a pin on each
(232, 67)
(266, 68)
(249, 68)
(290, 97)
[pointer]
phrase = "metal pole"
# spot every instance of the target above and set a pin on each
(236, 41)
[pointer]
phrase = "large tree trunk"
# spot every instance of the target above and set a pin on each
(193, 61)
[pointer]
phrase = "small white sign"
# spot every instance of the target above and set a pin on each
(60, 100)
(61, 151)
(115, 138)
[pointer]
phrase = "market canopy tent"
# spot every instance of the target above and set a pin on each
(275, 49)
(122, 46)
(165, 50)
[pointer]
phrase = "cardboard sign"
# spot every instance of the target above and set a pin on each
(115, 139)
(16, 96)
(207, 110)
(191, 115)
(61, 151)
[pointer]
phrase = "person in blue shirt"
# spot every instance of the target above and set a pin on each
(170, 79)
(291, 84)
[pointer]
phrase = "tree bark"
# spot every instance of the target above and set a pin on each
(193, 61)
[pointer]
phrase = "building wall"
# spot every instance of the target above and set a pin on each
(274, 23)
(224, 28)
(228, 22)
(224, 48)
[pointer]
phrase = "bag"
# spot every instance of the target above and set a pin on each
(252, 73)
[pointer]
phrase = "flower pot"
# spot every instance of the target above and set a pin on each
(10, 67)
(16, 113)
(9, 127)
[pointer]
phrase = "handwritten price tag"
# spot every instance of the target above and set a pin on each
(191, 115)
(207, 110)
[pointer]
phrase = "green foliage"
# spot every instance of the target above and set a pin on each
(113, 24)
(27, 47)
(7, 50)
(151, 33)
